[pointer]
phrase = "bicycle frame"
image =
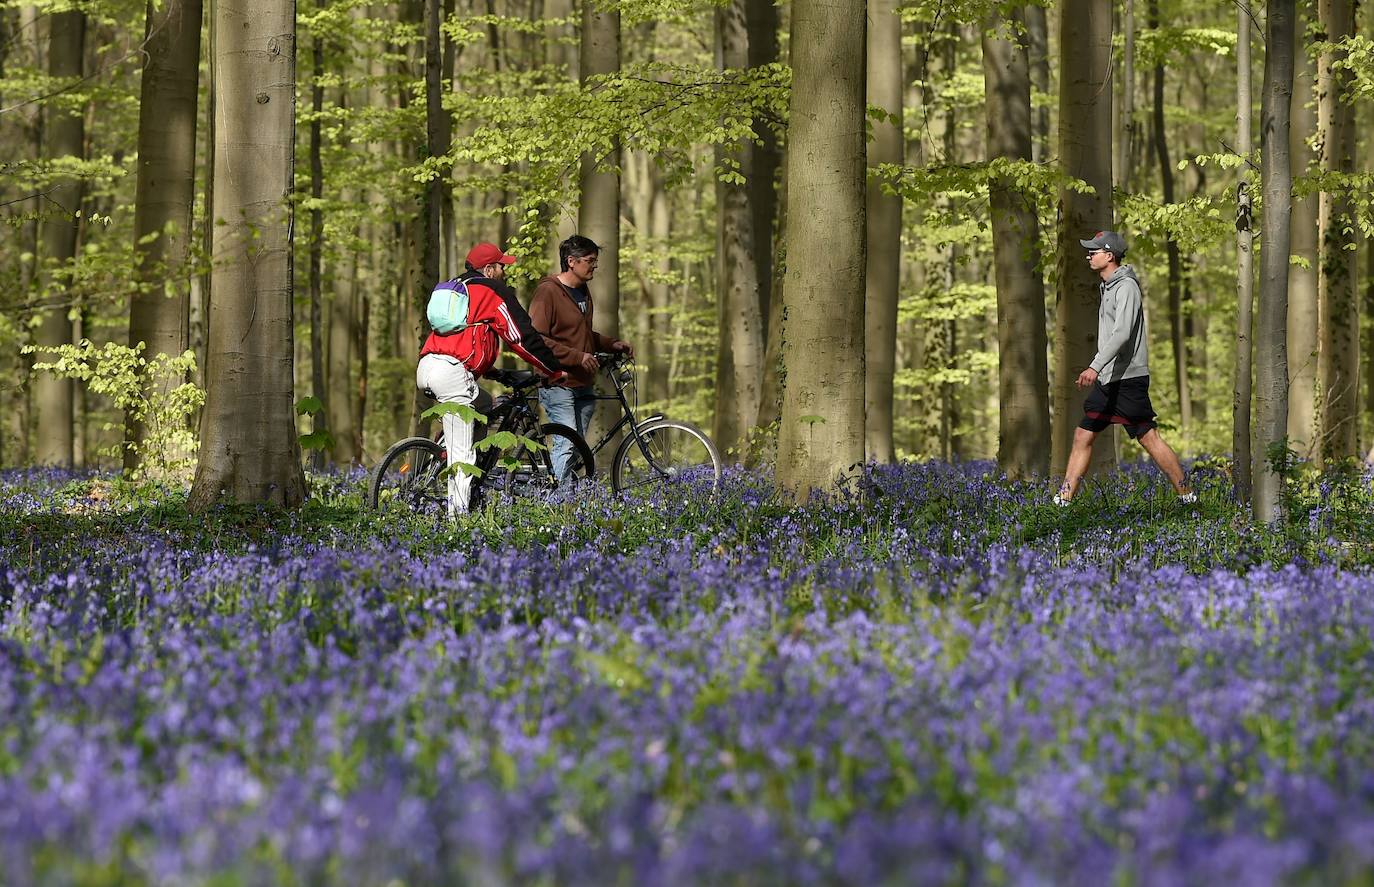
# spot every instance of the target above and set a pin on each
(627, 416)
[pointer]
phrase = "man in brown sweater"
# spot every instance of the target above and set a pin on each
(561, 309)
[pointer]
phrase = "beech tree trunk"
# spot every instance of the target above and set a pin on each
(1023, 374)
(160, 308)
(599, 212)
(1338, 306)
(1038, 45)
(249, 451)
(821, 438)
(1271, 394)
(63, 136)
(1121, 169)
(1302, 281)
(318, 386)
(883, 273)
(1242, 474)
(739, 353)
(1085, 152)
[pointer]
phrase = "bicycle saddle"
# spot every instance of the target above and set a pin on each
(516, 379)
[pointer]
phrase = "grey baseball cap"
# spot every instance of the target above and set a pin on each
(1108, 240)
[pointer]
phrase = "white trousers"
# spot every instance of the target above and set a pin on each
(450, 382)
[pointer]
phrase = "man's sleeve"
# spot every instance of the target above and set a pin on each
(541, 318)
(1128, 309)
(513, 325)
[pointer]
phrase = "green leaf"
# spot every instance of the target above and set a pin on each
(316, 440)
(811, 420)
(308, 406)
(463, 411)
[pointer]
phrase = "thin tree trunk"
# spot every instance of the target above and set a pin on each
(317, 332)
(160, 308)
(1085, 141)
(770, 403)
(1038, 46)
(249, 451)
(883, 273)
(438, 130)
(763, 159)
(63, 136)
(1339, 308)
(821, 436)
(739, 355)
(343, 415)
(1271, 395)
(599, 211)
(1177, 338)
(1243, 473)
(1122, 167)
(1302, 281)
(1022, 371)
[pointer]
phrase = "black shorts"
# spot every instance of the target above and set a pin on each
(1120, 403)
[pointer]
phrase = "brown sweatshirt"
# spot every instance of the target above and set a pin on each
(566, 328)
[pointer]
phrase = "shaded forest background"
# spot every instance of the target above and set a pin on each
(676, 115)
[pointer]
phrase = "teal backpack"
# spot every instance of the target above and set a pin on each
(448, 307)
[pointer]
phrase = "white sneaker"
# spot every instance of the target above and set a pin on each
(1061, 501)
(1189, 498)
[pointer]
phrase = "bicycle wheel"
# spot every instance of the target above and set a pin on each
(666, 453)
(410, 475)
(521, 471)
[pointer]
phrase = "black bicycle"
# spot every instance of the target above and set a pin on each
(513, 455)
(656, 451)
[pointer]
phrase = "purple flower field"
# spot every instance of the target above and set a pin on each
(946, 682)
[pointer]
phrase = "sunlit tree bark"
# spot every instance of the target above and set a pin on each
(821, 436)
(249, 451)
(1302, 277)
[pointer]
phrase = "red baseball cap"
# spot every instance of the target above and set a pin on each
(484, 254)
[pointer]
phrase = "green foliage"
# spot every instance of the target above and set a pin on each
(154, 392)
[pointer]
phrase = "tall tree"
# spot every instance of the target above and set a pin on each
(1121, 169)
(63, 136)
(318, 386)
(1338, 368)
(1177, 337)
(1085, 152)
(1038, 44)
(599, 212)
(249, 451)
(1302, 277)
(160, 309)
(821, 434)
(1245, 278)
(739, 355)
(1271, 395)
(1023, 376)
(883, 273)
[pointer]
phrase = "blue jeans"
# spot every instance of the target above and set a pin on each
(572, 407)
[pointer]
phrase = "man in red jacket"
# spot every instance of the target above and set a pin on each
(561, 309)
(450, 364)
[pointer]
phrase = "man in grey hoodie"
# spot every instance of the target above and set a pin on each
(1119, 375)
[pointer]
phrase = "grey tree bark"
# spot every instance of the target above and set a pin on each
(160, 308)
(1121, 169)
(1338, 369)
(1022, 371)
(883, 272)
(1085, 152)
(63, 136)
(1302, 281)
(1276, 175)
(1038, 45)
(599, 211)
(739, 353)
(249, 451)
(318, 386)
(821, 437)
(1242, 475)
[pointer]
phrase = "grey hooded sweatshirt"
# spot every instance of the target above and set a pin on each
(1120, 328)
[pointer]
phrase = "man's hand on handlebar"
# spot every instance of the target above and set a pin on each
(620, 345)
(590, 363)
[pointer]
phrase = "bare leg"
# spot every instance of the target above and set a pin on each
(1165, 457)
(1079, 457)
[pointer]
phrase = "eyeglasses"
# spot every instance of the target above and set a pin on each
(589, 261)
(1093, 252)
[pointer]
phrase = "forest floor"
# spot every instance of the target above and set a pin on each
(939, 679)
